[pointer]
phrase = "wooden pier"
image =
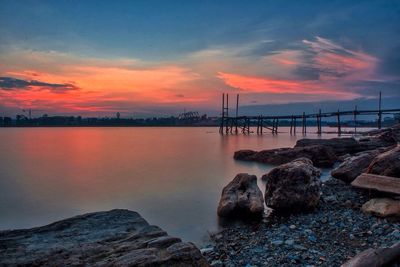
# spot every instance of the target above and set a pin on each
(243, 124)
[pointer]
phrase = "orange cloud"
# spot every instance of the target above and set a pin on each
(273, 86)
(311, 71)
(102, 81)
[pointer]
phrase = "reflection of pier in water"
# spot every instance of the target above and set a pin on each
(241, 124)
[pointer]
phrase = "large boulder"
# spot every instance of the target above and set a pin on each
(353, 166)
(382, 207)
(321, 156)
(241, 197)
(387, 163)
(112, 238)
(293, 187)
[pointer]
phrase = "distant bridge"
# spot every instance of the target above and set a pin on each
(241, 124)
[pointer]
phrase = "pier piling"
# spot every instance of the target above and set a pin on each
(236, 123)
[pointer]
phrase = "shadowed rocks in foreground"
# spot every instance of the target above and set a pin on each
(293, 187)
(111, 238)
(353, 166)
(383, 161)
(241, 197)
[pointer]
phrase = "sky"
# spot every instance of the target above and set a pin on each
(158, 58)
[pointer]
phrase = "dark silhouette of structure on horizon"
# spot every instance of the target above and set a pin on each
(227, 124)
(185, 119)
(242, 124)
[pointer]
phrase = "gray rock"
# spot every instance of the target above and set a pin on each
(241, 197)
(111, 238)
(293, 187)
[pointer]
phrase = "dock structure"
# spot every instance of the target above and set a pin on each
(243, 124)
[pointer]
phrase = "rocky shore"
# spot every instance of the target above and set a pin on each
(310, 223)
(333, 233)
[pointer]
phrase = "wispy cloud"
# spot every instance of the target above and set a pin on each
(313, 67)
(334, 61)
(9, 83)
(306, 70)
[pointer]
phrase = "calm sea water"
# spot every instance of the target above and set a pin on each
(172, 176)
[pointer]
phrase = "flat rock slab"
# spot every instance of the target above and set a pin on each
(321, 156)
(110, 238)
(340, 146)
(379, 183)
(382, 207)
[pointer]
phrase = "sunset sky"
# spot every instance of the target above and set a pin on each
(145, 58)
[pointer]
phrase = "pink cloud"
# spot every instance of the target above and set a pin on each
(249, 84)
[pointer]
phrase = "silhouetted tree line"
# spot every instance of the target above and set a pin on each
(45, 120)
(204, 120)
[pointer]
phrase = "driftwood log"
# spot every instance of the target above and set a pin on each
(379, 183)
(375, 257)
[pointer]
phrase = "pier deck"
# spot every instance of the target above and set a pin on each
(241, 124)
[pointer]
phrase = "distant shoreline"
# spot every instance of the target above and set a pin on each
(161, 126)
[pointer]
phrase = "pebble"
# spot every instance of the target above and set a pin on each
(206, 250)
(289, 242)
(217, 263)
(312, 238)
(396, 234)
(277, 242)
(299, 247)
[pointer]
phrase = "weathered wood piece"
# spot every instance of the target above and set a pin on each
(375, 257)
(379, 183)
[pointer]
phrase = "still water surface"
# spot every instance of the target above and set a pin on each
(172, 176)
